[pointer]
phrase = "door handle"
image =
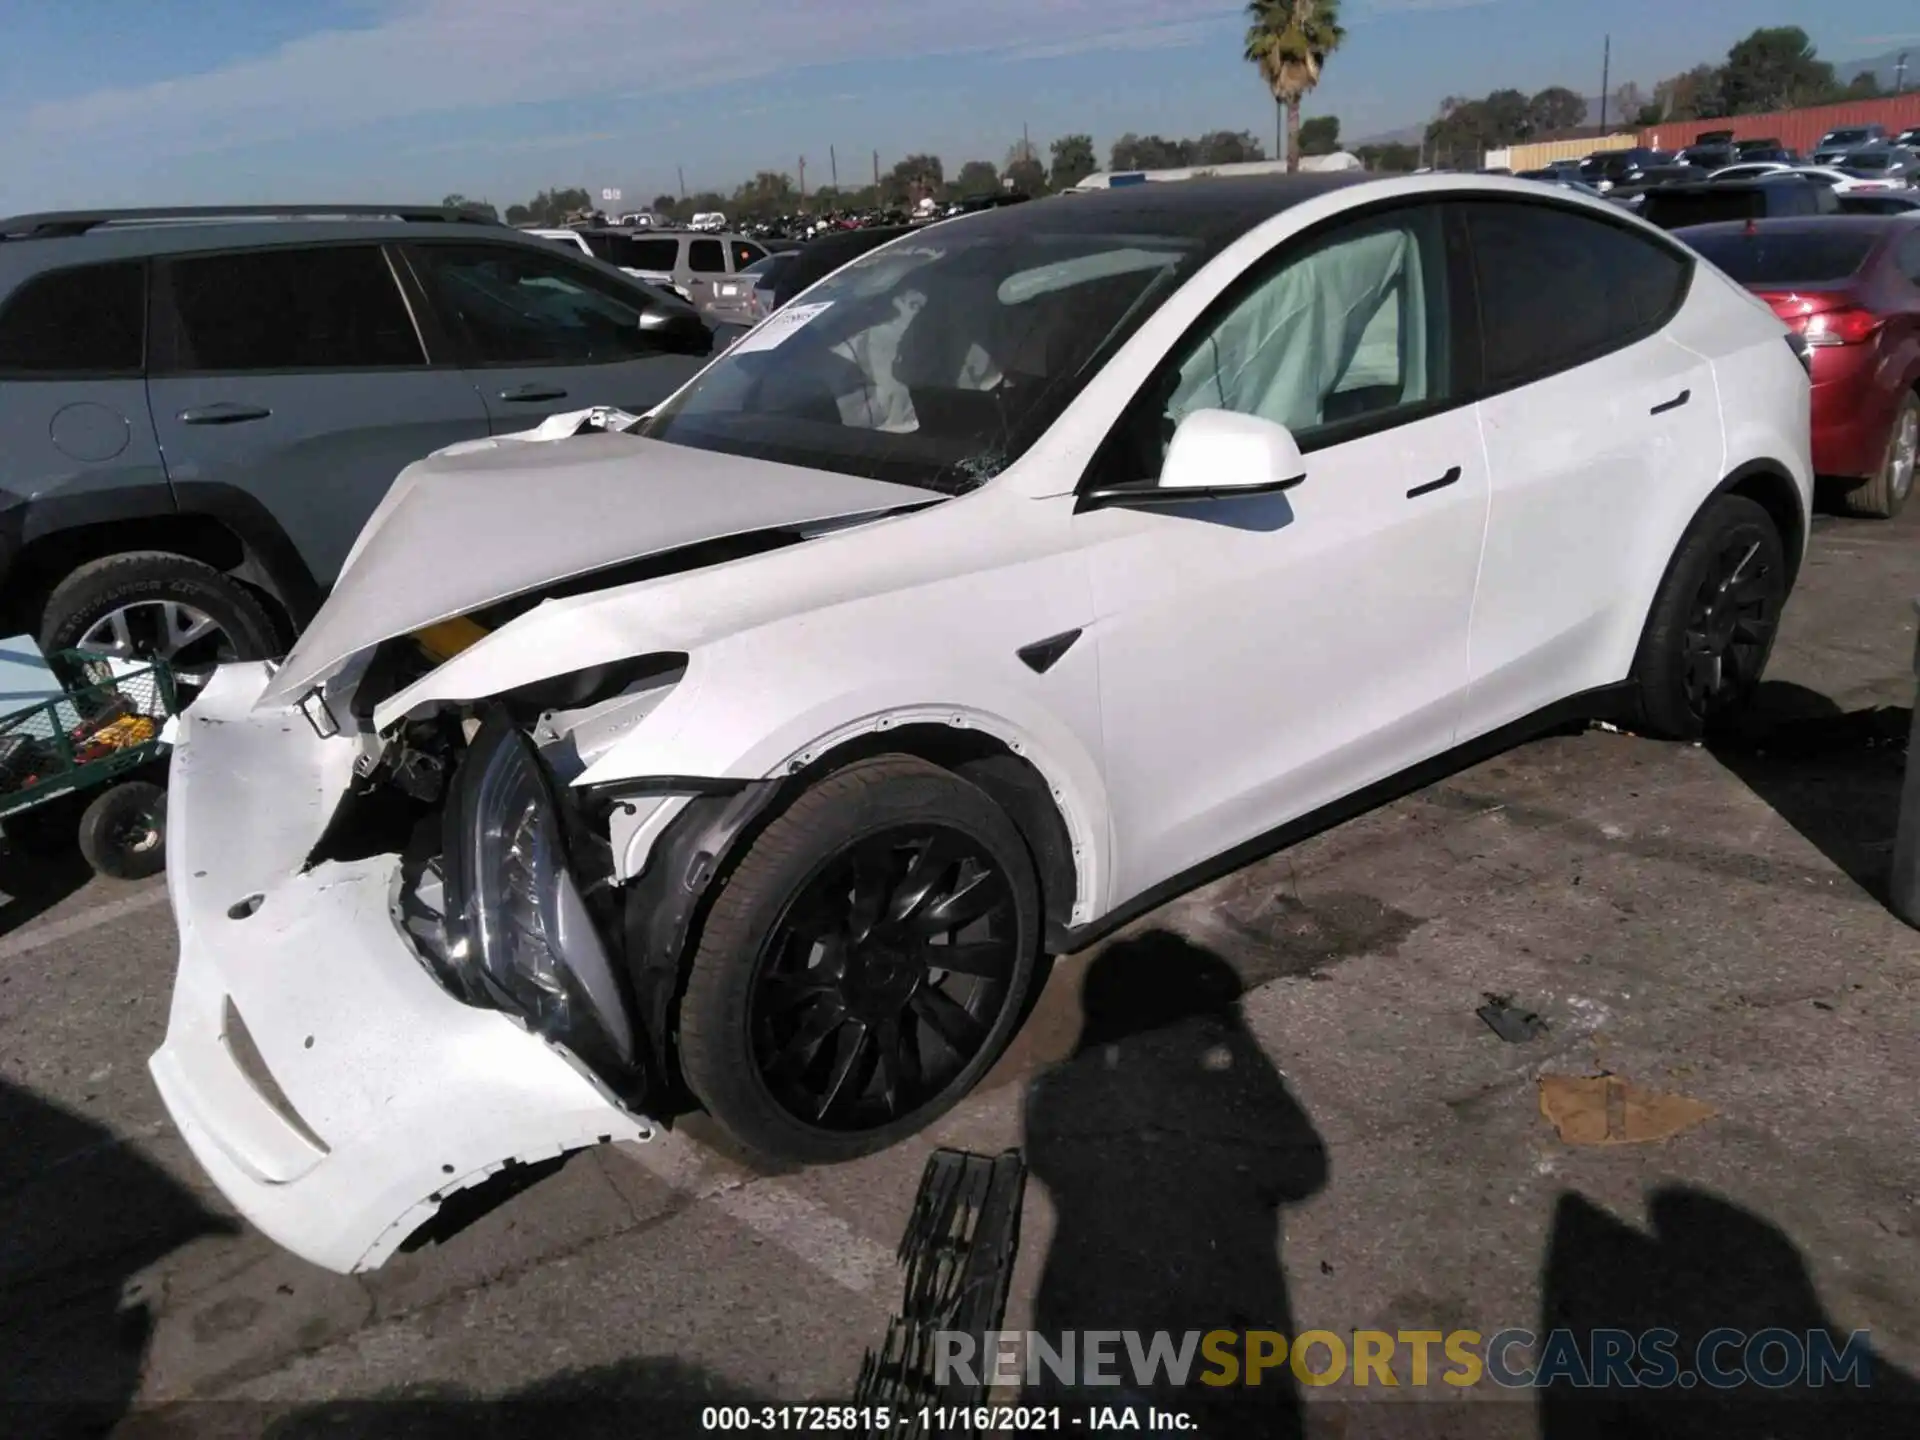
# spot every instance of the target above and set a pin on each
(528, 393)
(223, 412)
(1674, 404)
(1451, 477)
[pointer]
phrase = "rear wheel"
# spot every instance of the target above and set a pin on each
(1713, 620)
(1882, 496)
(864, 964)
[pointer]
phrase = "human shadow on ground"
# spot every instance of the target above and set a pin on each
(1834, 775)
(1704, 1265)
(1169, 1143)
(83, 1214)
(40, 863)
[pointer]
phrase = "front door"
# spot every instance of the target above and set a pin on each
(543, 335)
(1261, 657)
(296, 375)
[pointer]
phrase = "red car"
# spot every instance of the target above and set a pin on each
(1849, 285)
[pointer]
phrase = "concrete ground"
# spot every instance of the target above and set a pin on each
(1347, 1148)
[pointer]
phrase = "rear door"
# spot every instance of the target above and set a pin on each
(75, 435)
(541, 335)
(1597, 425)
(297, 376)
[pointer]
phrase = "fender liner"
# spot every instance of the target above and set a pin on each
(667, 899)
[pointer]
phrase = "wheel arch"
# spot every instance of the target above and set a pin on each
(216, 525)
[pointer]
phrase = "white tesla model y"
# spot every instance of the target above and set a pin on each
(1022, 573)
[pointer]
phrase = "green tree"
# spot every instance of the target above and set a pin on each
(976, 177)
(1148, 152)
(1027, 175)
(771, 192)
(552, 207)
(519, 215)
(1289, 41)
(1864, 86)
(665, 204)
(914, 177)
(1390, 158)
(1229, 147)
(1320, 135)
(1554, 109)
(1775, 68)
(479, 207)
(1696, 94)
(1073, 161)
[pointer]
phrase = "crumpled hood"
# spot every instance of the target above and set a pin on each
(480, 523)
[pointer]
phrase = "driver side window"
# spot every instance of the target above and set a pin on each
(1340, 338)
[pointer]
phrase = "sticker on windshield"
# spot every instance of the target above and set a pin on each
(779, 327)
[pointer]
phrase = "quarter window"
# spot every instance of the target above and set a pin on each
(745, 254)
(90, 320)
(324, 308)
(517, 306)
(1558, 288)
(1909, 257)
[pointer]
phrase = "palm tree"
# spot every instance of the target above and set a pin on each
(1289, 40)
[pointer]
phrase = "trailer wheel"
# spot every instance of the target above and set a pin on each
(123, 833)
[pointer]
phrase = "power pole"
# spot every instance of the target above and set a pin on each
(833, 160)
(803, 184)
(682, 172)
(1606, 79)
(876, 177)
(1900, 74)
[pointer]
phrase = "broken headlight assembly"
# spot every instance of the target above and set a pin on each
(518, 932)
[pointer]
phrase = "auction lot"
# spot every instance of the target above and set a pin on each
(1699, 922)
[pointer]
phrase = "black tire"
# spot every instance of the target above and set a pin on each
(728, 1023)
(123, 833)
(1884, 494)
(93, 592)
(1713, 620)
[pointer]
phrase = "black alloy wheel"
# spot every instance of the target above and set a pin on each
(862, 964)
(884, 978)
(1730, 626)
(1712, 625)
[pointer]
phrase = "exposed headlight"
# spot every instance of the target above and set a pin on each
(519, 935)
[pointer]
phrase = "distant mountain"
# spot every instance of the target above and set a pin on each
(1405, 135)
(1885, 67)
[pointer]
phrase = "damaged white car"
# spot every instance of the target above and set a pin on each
(1022, 573)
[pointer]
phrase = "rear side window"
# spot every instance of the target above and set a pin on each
(746, 255)
(330, 307)
(652, 255)
(1786, 257)
(1558, 288)
(91, 320)
(1673, 211)
(707, 257)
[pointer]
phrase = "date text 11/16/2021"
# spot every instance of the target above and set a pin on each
(940, 1419)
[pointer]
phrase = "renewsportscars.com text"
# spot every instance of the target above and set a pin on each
(1724, 1359)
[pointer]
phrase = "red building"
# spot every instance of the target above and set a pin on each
(1796, 129)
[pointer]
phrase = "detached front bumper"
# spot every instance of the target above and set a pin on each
(328, 1085)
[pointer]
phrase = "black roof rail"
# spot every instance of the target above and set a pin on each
(55, 224)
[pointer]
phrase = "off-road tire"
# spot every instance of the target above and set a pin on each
(101, 586)
(1660, 669)
(865, 798)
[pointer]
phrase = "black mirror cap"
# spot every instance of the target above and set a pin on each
(676, 325)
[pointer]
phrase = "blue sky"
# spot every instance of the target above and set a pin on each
(193, 101)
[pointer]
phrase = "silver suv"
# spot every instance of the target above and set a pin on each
(200, 408)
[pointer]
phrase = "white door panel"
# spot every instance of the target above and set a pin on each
(1584, 476)
(1262, 657)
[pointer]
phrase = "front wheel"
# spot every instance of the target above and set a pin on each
(1713, 621)
(864, 964)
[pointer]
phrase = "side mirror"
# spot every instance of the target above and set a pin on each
(1215, 455)
(676, 325)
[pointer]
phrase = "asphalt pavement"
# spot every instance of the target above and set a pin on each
(1346, 1146)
